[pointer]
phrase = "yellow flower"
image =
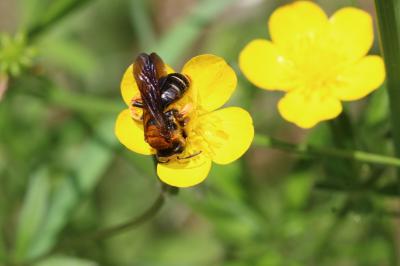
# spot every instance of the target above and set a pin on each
(318, 61)
(222, 136)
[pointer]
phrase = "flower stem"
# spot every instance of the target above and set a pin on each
(144, 217)
(56, 96)
(57, 11)
(390, 45)
(82, 102)
(308, 150)
(108, 232)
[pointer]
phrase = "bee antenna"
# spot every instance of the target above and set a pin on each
(189, 156)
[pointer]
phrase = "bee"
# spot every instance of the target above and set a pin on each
(164, 129)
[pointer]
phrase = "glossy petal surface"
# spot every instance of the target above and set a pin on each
(228, 133)
(352, 32)
(212, 79)
(290, 24)
(181, 174)
(265, 65)
(306, 110)
(360, 79)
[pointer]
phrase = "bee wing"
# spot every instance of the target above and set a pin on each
(146, 76)
(160, 69)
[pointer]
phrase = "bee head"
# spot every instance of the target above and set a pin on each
(177, 147)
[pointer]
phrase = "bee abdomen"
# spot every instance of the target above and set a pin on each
(173, 87)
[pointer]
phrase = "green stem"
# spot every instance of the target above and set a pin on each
(55, 12)
(308, 150)
(390, 45)
(46, 90)
(82, 102)
(108, 232)
(128, 225)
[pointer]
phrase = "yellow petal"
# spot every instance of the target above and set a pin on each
(307, 109)
(360, 79)
(265, 65)
(212, 79)
(228, 133)
(129, 88)
(130, 133)
(180, 174)
(352, 32)
(293, 22)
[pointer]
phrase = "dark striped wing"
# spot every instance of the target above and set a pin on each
(147, 70)
(159, 66)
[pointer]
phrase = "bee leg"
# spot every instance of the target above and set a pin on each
(137, 103)
(136, 115)
(186, 110)
(189, 156)
(182, 116)
(161, 161)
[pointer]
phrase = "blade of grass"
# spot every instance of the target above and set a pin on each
(83, 103)
(54, 13)
(30, 11)
(32, 214)
(344, 137)
(177, 41)
(74, 242)
(388, 22)
(142, 24)
(60, 260)
(2, 249)
(57, 96)
(93, 160)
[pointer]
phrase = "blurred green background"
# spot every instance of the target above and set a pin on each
(63, 174)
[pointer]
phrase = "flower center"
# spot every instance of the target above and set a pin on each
(317, 64)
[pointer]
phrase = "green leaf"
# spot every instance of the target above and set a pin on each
(194, 249)
(179, 39)
(142, 22)
(227, 180)
(55, 11)
(2, 249)
(31, 11)
(388, 18)
(90, 164)
(235, 221)
(33, 213)
(65, 261)
(377, 110)
(70, 55)
(297, 189)
(271, 258)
